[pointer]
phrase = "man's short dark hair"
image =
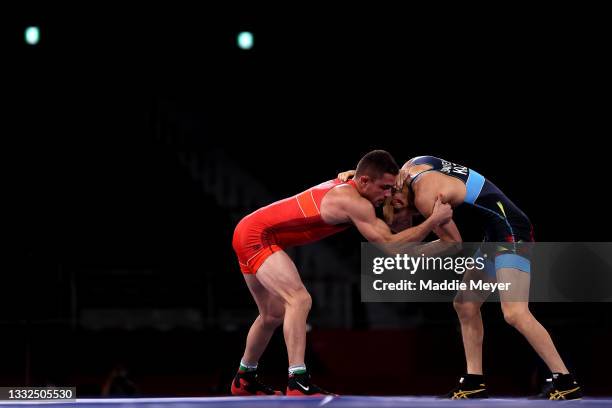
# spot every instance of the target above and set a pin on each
(375, 164)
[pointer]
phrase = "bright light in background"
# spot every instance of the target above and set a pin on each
(32, 35)
(245, 40)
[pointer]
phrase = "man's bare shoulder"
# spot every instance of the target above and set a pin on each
(344, 194)
(340, 202)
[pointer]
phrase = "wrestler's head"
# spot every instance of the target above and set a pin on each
(375, 176)
(398, 201)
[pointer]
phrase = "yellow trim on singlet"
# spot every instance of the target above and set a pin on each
(501, 207)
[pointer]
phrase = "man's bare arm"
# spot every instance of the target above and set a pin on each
(361, 213)
(448, 232)
(346, 175)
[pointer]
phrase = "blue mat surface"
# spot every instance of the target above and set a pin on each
(345, 401)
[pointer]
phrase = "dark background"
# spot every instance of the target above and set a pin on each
(134, 138)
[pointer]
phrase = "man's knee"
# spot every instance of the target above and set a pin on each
(516, 316)
(466, 310)
(300, 299)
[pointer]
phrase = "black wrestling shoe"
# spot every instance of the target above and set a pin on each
(300, 385)
(470, 386)
(246, 383)
(560, 387)
(546, 389)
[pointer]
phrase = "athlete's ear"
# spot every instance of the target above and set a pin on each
(363, 179)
